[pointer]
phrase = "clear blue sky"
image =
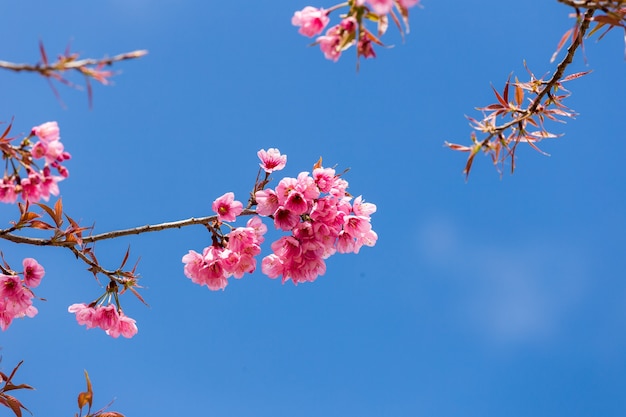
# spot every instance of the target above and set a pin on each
(496, 297)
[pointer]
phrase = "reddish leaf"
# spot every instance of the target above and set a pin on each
(139, 297)
(561, 43)
(37, 224)
(499, 97)
(12, 403)
(574, 76)
(505, 93)
(456, 147)
(58, 211)
(9, 387)
(609, 20)
(519, 94)
(6, 131)
(29, 216)
(85, 398)
(50, 212)
(397, 22)
(44, 57)
(125, 258)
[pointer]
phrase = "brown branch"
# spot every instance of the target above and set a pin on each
(116, 233)
(548, 85)
(64, 65)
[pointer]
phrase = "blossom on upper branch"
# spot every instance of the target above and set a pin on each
(311, 21)
(352, 29)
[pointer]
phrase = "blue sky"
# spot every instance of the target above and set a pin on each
(502, 296)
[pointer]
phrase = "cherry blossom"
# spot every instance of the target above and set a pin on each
(311, 21)
(227, 208)
(109, 318)
(271, 160)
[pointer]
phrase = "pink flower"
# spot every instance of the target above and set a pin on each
(106, 317)
(381, 7)
(330, 44)
(259, 228)
(84, 314)
(227, 208)
(285, 219)
(272, 160)
(210, 269)
(5, 316)
(7, 191)
(272, 266)
(54, 151)
(125, 326)
(345, 243)
(33, 272)
(267, 202)
(49, 184)
(362, 208)
(47, 132)
(324, 178)
(296, 203)
(408, 3)
(39, 150)
(194, 264)
(364, 47)
(30, 187)
(311, 21)
(10, 287)
(242, 239)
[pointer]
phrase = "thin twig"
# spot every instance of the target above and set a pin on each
(69, 65)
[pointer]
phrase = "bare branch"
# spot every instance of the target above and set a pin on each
(4, 234)
(65, 65)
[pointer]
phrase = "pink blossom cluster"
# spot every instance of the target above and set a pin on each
(234, 255)
(315, 209)
(318, 212)
(351, 29)
(16, 294)
(37, 183)
(109, 318)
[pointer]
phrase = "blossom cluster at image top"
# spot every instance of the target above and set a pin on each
(352, 30)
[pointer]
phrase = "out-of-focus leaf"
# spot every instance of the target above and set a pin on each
(564, 38)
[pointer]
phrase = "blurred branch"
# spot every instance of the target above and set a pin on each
(65, 64)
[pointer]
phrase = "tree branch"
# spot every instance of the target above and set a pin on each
(63, 65)
(116, 233)
(550, 84)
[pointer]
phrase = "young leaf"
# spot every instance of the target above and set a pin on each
(561, 43)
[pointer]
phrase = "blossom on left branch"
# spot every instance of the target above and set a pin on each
(29, 165)
(16, 294)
